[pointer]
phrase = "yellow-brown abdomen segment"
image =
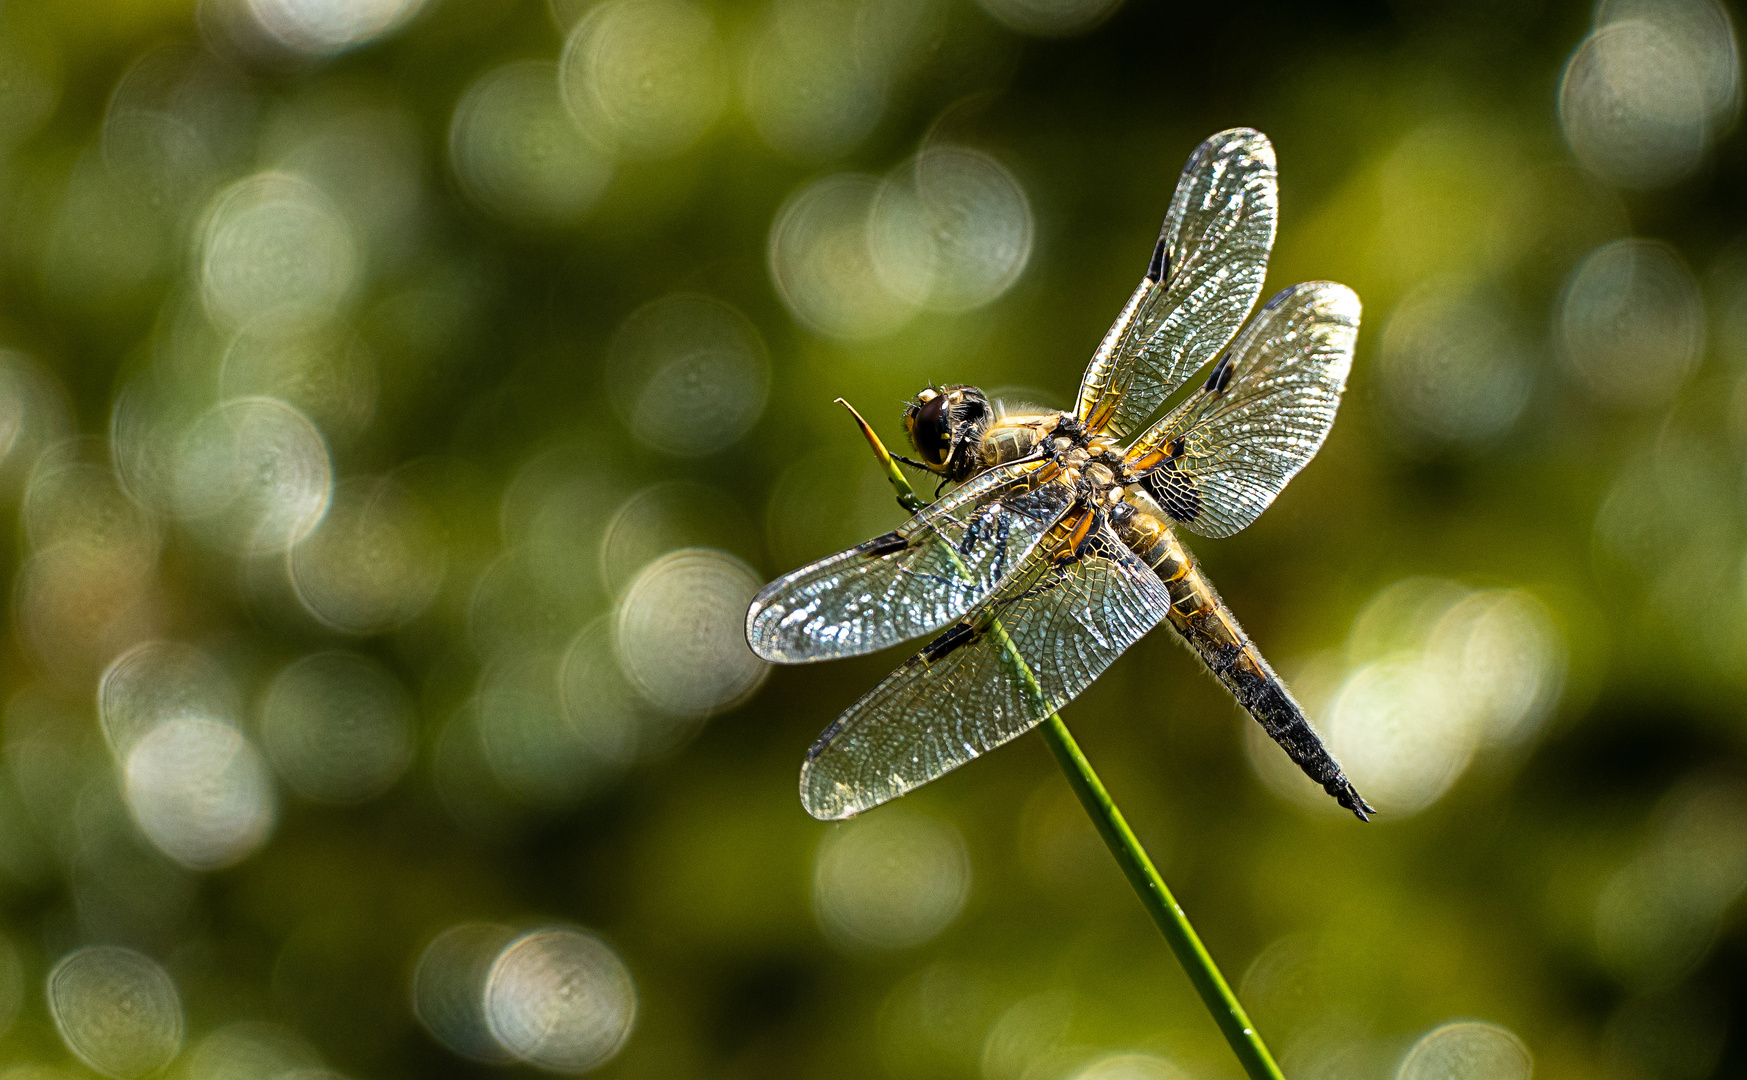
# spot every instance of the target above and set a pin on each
(1197, 613)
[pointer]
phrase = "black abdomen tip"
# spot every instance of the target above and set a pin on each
(1348, 796)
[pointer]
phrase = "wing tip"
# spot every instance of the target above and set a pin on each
(759, 639)
(1332, 298)
(1238, 142)
(828, 800)
(769, 643)
(752, 614)
(1336, 297)
(1248, 140)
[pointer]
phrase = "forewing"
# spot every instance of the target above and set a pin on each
(1205, 275)
(1218, 459)
(912, 581)
(966, 692)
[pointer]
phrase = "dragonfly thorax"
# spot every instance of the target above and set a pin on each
(1093, 471)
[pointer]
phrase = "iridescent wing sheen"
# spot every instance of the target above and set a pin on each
(912, 581)
(1205, 275)
(1217, 460)
(992, 676)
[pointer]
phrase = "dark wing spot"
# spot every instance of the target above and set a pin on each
(1174, 490)
(1279, 298)
(1220, 377)
(884, 545)
(1160, 264)
(956, 635)
(1037, 503)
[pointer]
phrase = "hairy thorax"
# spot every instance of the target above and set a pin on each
(1091, 465)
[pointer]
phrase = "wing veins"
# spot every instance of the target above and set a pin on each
(1203, 279)
(1020, 655)
(1219, 458)
(959, 549)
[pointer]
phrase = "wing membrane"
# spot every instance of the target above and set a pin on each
(912, 581)
(1205, 275)
(964, 695)
(1219, 458)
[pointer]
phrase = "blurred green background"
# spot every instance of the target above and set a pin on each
(400, 402)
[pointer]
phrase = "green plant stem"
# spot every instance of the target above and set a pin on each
(1215, 992)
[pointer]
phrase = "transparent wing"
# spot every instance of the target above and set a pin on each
(1205, 275)
(912, 581)
(1217, 460)
(965, 693)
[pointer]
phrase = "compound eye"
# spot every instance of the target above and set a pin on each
(931, 431)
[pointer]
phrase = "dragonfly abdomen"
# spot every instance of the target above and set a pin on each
(1204, 623)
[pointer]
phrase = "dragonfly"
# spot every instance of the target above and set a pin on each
(1056, 545)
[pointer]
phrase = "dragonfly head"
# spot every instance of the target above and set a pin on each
(946, 424)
